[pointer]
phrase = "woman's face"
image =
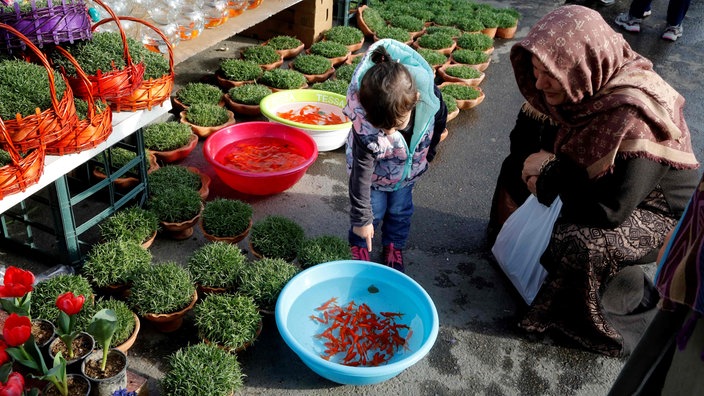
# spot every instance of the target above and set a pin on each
(547, 84)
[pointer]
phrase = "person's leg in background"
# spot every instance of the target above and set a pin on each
(676, 10)
(632, 19)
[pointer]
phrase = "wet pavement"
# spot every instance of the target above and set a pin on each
(479, 349)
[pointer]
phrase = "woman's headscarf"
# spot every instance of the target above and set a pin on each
(616, 104)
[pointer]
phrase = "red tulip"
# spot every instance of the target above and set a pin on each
(17, 330)
(70, 304)
(17, 282)
(14, 385)
(4, 357)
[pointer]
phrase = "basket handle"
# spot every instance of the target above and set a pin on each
(42, 58)
(84, 78)
(154, 28)
(14, 155)
(125, 49)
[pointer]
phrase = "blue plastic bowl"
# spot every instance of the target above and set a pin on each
(380, 287)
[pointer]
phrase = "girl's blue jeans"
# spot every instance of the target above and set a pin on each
(393, 209)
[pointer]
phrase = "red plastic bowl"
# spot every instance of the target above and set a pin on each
(259, 183)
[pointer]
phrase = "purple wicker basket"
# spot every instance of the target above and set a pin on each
(54, 24)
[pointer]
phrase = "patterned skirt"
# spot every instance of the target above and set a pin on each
(579, 260)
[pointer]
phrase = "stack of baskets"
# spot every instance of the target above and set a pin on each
(25, 27)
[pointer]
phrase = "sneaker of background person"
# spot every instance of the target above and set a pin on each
(628, 22)
(672, 33)
(647, 13)
(393, 257)
(607, 2)
(359, 253)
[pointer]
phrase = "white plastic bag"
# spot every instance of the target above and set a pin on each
(522, 240)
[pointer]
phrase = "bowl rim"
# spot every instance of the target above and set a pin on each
(352, 371)
(271, 100)
(209, 153)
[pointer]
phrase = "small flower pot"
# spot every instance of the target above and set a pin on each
(125, 346)
(170, 322)
(114, 377)
(227, 84)
(181, 230)
(360, 21)
(451, 116)
(44, 332)
(445, 133)
(126, 183)
(78, 385)
(506, 33)
(148, 243)
(469, 103)
(289, 52)
(83, 345)
(314, 78)
(177, 154)
(491, 32)
(205, 131)
(240, 108)
(468, 81)
(205, 180)
(445, 51)
(229, 239)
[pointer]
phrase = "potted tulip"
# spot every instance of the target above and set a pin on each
(215, 267)
(230, 321)
(178, 210)
(48, 290)
(109, 265)
(235, 72)
(197, 92)
(202, 369)
(170, 141)
(163, 294)
(105, 378)
(228, 220)
(263, 280)
(130, 224)
(276, 237)
(204, 118)
(323, 249)
(128, 324)
(73, 343)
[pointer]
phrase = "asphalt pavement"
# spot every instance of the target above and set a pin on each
(479, 349)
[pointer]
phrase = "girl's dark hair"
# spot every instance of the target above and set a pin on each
(387, 91)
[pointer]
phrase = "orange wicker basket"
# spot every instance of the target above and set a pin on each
(45, 126)
(23, 171)
(114, 83)
(152, 92)
(88, 132)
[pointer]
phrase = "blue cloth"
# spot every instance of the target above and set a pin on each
(393, 209)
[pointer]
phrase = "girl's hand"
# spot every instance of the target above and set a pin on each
(366, 232)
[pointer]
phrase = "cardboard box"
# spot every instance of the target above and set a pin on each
(306, 20)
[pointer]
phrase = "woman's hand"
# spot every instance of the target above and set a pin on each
(365, 232)
(533, 164)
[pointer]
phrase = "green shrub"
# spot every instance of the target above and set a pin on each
(82, 107)
(261, 54)
(113, 262)
(283, 79)
(284, 42)
(345, 35)
(450, 102)
(240, 70)
(206, 115)
(229, 320)
(488, 19)
(450, 30)
(328, 49)
(469, 24)
(373, 19)
(176, 204)
(445, 19)
(249, 94)
(172, 176)
(155, 65)
(322, 249)
(263, 280)
(161, 288)
(125, 319)
(202, 369)
(45, 294)
(475, 41)
(224, 217)
(5, 158)
(333, 85)
(277, 237)
(104, 52)
(197, 92)
(462, 71)
(394, 33)
(119, 157)
(345, 72)
(407, 23)
(312, 64)
(166, 136)
(461, 92)
(217, 264)
(470, 57)
(130, 224)
(24, 87)
(435, 41)
(505, 20)
(434, 58)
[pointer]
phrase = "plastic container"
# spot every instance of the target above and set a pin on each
(382, 288)
(259, 183)
(327, 137)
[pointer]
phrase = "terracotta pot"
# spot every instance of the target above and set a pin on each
(451, 116)
(491, 32)
(204, 290)
(105, 386)
(229, 239)
(354, 47)
(481, 66)
(178, 154)
(314, 78)
(289, 52)
(360, 21)
(204, 190)
(337, 60)
(180, 106)
(227, 84)
(467, 104)
(127, 344)
(126, 183)
(305, 85)
(445, 51)
(254, 252)
(148, 243)
(207, 131)
(352, 57)
(474, 82)
(506, 33)
(274, 65)
(416, 34)
(181, 230)
(78, 385)
(445, 133)
(240, 108)
(170, 322)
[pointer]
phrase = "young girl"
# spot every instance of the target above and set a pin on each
(397, 117)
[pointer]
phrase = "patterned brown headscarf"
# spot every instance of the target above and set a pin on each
(616, 104)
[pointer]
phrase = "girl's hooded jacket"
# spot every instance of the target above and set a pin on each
(387, 163)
